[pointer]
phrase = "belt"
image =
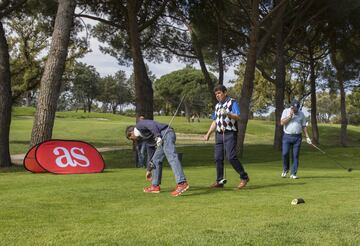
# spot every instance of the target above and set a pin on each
(226, 131)
(298, 135)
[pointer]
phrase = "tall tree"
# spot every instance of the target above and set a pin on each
(343, 30)
(188, 82)
(6, 8)
(129, 29)
(114, 91)
(85, 85)
(54, 68)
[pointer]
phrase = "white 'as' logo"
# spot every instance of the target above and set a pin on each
(70, 158)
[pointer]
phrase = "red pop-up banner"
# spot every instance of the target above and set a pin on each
(64, 157)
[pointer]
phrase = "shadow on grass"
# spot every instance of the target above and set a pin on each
(203, 190)
(253, 187)
(325, 177)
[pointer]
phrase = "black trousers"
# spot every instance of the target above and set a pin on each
(227, 142)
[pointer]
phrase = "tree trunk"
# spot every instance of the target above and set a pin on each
(54, 68)
(89, 105)
(187, 111)
(144, 98)
(220, 47)
(344, 121)
(5, 100)
(279, 87)
(339, 75)
(204, 70)
(314, 125)
(248, 85)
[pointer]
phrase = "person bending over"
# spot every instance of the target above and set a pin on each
(164, 138)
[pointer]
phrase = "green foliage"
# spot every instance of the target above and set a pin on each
(85, 86)
(263, 91)
(115, 34)
(28, 39)
(114, 91)
(328, 106)
(354, 107)
(188, 82)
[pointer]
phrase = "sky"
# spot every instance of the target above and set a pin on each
(108, 65)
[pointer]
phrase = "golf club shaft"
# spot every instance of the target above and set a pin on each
(151, 163)
(316, 147)
(182, 99)
(337, 163)
(223, 135)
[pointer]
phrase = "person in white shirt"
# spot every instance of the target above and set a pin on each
(294, 123)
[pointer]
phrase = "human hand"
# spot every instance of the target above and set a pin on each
(291, 113)
(308, 140)
(159, 141)
(206, 137)
(223, 111)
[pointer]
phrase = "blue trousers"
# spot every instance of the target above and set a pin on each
(291, 141)
(229, 145)
(167, 150)
(144, 154)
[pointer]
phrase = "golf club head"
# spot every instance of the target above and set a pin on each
(223, 181)
(349, 169)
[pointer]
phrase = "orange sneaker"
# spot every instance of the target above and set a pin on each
(243, 183)
(152, 189)
(180, 188)
(217, 185)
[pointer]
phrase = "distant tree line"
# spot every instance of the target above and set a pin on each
(284, 48)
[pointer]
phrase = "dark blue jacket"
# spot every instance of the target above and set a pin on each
(150, 129)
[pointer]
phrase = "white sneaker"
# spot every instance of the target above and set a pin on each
(293, 176)
(283, 174)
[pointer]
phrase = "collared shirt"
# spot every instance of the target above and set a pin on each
(296, 124)
(223, 121)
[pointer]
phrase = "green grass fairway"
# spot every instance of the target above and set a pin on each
(110, 208)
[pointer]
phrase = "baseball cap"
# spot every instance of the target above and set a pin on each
(295, 103)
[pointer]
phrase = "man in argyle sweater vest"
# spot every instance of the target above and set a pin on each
(225, 117)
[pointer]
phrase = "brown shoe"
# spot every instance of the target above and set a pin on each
(243, 183)
(216, 185)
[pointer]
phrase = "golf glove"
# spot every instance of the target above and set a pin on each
(223, 111)
(159, 141)
(148, 176)
(308, 140)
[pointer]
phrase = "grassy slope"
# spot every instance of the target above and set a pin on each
(111, 209)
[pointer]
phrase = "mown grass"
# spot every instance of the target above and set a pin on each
(102, 129)
(111, 209)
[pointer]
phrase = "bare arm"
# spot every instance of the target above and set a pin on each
(305, 132)
(286, 120)
(210, 131)
(234, 116)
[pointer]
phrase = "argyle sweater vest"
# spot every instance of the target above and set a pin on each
(222, 120)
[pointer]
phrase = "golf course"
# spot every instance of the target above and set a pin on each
(110, 208)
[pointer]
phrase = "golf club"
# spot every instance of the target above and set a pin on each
(223, 181)
(151, 164)
(337, 163)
